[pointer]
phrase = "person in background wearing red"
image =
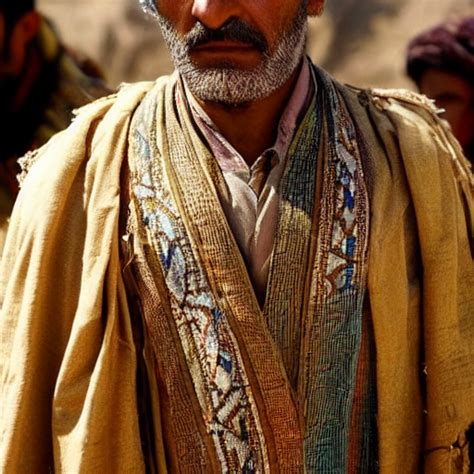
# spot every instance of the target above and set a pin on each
(41, 83)
(441, 62)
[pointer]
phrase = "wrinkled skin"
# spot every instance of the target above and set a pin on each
(225, 63)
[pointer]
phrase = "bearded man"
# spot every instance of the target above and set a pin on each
(40, 85)
(243, 267)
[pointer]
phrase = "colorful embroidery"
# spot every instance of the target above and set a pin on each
(335, 327)
(344, 254)
(318, 331)
(209, 345)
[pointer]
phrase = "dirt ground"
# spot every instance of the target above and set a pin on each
(361, 42)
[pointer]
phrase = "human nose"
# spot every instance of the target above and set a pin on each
(215, 13)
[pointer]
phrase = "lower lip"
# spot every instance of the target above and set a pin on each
(241, 56)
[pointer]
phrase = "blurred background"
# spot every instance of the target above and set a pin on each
(361, 42)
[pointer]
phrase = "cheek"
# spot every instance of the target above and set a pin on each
(272, 18)
(453, 113)
(461, 120)
(465, 128)
(178, 13)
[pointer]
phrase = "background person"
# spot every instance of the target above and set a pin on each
(441, 62)
(40, 85)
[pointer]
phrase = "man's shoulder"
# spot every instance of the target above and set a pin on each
(127, 97)
(400, 111)
(415, 123)
(400, 101)
(91, 124)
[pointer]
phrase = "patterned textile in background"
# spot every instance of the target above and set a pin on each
(319, 334)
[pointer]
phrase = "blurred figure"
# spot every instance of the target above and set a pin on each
(40, 85)
(441, 62)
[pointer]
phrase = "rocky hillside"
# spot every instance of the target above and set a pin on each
(360, 41)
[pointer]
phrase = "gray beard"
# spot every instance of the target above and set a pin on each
(230, 86)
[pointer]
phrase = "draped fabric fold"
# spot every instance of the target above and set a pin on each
(372, 278)
(67, 353)
(251, 360)
(421, 277)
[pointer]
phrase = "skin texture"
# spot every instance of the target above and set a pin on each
(455, 95)
(227, 82)
(249, 127)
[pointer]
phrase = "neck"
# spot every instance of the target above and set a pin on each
(252, 128)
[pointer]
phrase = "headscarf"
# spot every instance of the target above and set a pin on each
(448, 46)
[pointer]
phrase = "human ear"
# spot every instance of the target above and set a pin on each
(315, 7)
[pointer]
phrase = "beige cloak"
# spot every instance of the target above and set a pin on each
(67, 355)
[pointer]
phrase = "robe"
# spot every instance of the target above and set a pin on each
(104, 333)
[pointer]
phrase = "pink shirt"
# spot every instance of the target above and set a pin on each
(253, 203)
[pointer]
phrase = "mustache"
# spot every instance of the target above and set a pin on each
(233, 30)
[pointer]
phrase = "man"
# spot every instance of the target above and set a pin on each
(244, 267)
(441, 62)
(40, 85)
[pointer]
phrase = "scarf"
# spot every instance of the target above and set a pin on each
(70, 358)
(257, 374)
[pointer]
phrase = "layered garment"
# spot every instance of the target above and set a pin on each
(131, 335)
(251, 201)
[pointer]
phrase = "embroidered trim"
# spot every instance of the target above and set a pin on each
(211, 350)
(334, 325)
(25, 163)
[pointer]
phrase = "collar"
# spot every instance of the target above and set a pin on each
(227, 156)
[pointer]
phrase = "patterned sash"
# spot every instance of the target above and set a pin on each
(288, 388)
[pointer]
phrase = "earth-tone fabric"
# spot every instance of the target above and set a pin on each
(421, 277)
(69, 401)
(70, 387)
(255, 372)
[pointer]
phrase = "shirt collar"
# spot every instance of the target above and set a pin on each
(227, 156)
